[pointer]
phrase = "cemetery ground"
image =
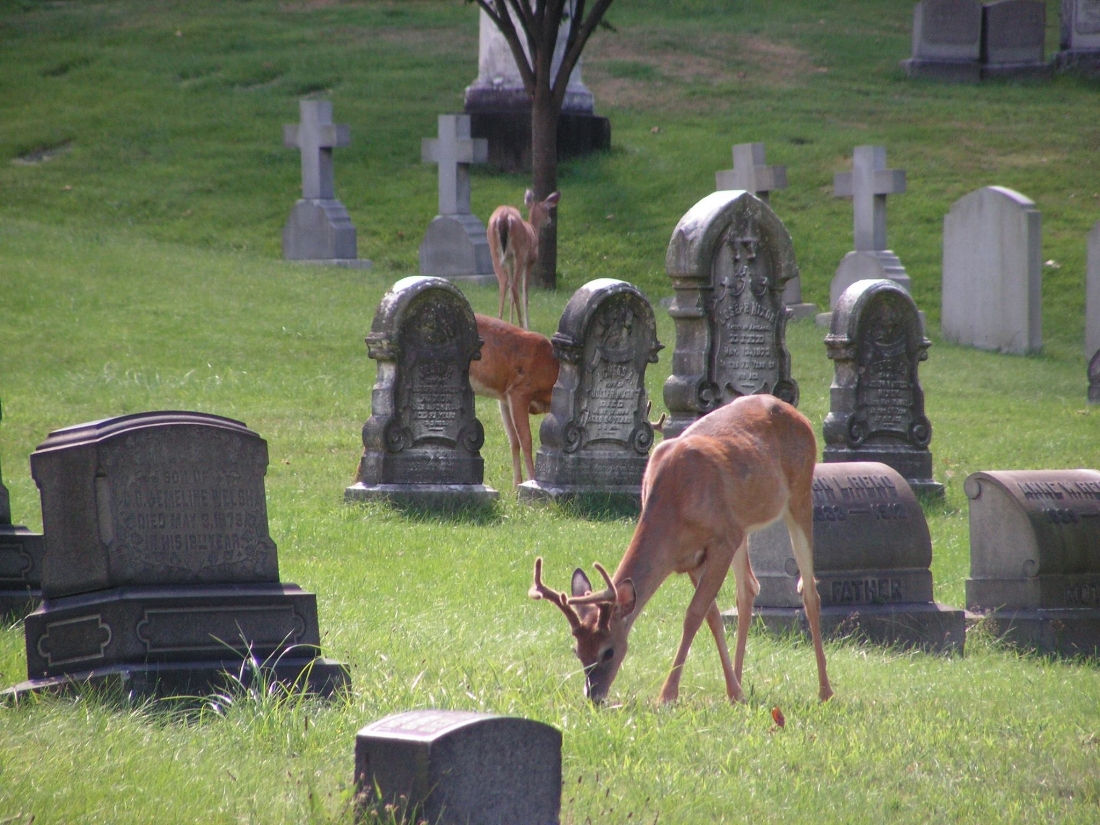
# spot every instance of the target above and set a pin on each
(143, 186)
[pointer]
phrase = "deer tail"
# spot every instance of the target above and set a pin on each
(502, 232)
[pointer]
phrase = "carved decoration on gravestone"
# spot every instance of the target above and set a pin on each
(877, 403)
(1013, 38)
(422, 442)
(1080, 36)
(160, 572)
(1094, 378)
(729, 259)
(596, 439)
(947, 37)
(751, 173)
(21, 554)
(319, 228)
(872, 562)
(1035, 557)
(455, 245)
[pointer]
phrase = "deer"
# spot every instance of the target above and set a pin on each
(517, 368)
(732, 472)
(514, 248)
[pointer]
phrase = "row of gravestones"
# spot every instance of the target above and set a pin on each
(965, 40)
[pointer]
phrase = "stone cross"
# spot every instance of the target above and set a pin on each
(867, 185)
(316, 136)
(751, 172)
(454, 150)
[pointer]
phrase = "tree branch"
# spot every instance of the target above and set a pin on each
(580, 29)
(498, 13)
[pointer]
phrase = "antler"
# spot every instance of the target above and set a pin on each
(659, 424)
(541, 591)
(603, 597)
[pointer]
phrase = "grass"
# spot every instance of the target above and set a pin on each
(139, 267)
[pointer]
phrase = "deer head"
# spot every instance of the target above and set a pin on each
(539, 213)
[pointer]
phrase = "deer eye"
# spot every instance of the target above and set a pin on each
(609, 654)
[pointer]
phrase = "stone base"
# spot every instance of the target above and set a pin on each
(426, 496)
(930, 626)
(456, 246)
(914, 465)
(1015, 70)
(319, 229)
(509, 134)
(1087, 62)
(952, 71)
(864, 265)
(620, 497)
(348, 263)
(21, 553)
(1063, 632)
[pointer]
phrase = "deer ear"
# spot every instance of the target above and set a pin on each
(552, 199)
(528, 199)
(626, 598)
(581, 584)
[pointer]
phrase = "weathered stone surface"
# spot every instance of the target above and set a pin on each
(456, 767)
(1035, 556)
(946, 40)
(876, 400)
(872, 558)
(422, 442)
(596, 439)
(729, 259)
(1013, 36)
(992, 272)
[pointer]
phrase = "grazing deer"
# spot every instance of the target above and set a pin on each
(730, 473)
(518, 368)
(514, 247)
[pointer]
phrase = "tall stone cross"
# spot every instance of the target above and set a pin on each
(316, 136)
(454, 150)
(867, 185)
(751, 172)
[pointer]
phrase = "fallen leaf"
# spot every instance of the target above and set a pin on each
(777, 715)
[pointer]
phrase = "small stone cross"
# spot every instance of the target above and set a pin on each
(454, 150)
(751, 172)
(316, 136)
(867, 185)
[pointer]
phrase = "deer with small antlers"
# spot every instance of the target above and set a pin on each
(732, 472)
(518, 368)
(514, 248)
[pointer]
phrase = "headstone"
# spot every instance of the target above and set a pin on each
(729, 259)
(319, 228)
(1092, 292)
(596, 439)
(946, 40)
(455, 767)
(992, 272)
(1094, 378)
(455, 245)
(876, 401)
(867, 185)
(1080, 38)
(872, 562)
(1013, 37)
(159, 571)
(422, 442)
(751, 173)
(500, 108)
(1035, 557)
(21, 553)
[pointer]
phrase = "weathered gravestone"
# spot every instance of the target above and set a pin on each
(992, 272)
(319, 227)
(422, 442)
(1013, 36)
(876, 401)
(21, 554)
(159, 572)
(455, 245)
(1035, 557)
(596, 439)
(872, 558)
(729, 259)
(456, 768)
(1094, 378)
(1080, 37)
(1092, 293)
(500, 108)
(751, 173)
(867, 185)
(946, 40)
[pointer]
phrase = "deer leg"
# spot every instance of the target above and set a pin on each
(800, 527)
(747, 589)
(521, 425)
(513, 440)
(523, 290)
(718, 630)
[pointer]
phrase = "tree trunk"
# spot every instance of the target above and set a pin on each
(544, 172)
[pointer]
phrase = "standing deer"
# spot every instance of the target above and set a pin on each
(514, 247)
(518, 368)
(729, 474)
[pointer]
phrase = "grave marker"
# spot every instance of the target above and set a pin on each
(456, 767)
(1092, 292)
(1035, 557)
(946, 40)
(729, 259)
(422, 441)
(1013, 36)
(992, 272)
(596, 439)
(1094, 378)
(1080, 36)
(21, 553)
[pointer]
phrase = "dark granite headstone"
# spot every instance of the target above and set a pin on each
(1035, 557)
(729, 259)
(1013, 37)
(422, 442)
(596, 439)
(21, 553)
(946, 40)
(457, 768)
(159, 571)
(877, 404)
(872, 558)
(1080, 40)
(1094, 379)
